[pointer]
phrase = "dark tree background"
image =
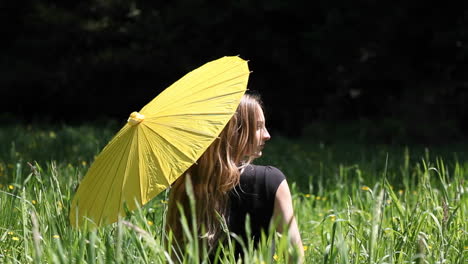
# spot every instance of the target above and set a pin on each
(390, 71)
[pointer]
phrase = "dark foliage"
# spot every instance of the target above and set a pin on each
(399, 65)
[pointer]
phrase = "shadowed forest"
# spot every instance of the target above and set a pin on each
(374, 71)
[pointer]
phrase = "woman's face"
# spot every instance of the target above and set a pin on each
(261, 134)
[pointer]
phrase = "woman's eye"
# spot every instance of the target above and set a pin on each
(260, 125)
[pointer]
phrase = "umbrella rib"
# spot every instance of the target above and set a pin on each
(218, 83)
(193, 132)
(98, 183)
(191, 114)
(204, 100)
(220, 73)
(125, 174)
(170, 143)
(113, 181)
(218, 96)
(199, 91)
(205, 88)
(158, 163)
(194, 85)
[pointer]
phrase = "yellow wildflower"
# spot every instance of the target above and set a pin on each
(365, 188)
(11, 233)
(84, 163)
(56, 236)
(400, 192)
(11, 187)
(52, 134)
(150, 222)
(275, 257)
(332, 217)
(305, 248)
(33, 201)
(317, 198)
(307, 195)
(15, 238)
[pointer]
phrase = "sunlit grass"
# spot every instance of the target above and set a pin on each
(354, 204)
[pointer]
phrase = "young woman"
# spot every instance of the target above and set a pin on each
(228, 187)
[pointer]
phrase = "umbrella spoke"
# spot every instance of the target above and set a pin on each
(152, 158)
(170, 146)
(192, 131)
(172, 95)
(182, 103)
(110, 179)
(93, 187)
(116, 181)
(130, 187)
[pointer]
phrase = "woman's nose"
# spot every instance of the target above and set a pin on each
(266, 135)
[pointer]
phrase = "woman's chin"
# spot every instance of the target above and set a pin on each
(257, 155)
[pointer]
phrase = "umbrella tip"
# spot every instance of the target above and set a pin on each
(135, 118)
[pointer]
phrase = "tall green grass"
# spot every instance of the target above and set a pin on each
(354, 203)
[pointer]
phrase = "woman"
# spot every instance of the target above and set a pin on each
(226, 184)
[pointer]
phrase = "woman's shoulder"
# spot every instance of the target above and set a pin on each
(259, 170)
(263, 175)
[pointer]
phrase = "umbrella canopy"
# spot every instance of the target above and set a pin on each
(160, 142)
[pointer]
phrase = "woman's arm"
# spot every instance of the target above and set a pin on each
(283, 213)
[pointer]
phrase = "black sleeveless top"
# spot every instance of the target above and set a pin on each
(255, 196)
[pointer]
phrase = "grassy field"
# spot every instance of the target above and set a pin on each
(354, 203)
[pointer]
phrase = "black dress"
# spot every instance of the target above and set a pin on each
(255, 196)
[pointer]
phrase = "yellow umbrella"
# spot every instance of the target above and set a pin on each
(159, 143)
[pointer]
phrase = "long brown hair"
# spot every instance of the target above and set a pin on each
(216, 172)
